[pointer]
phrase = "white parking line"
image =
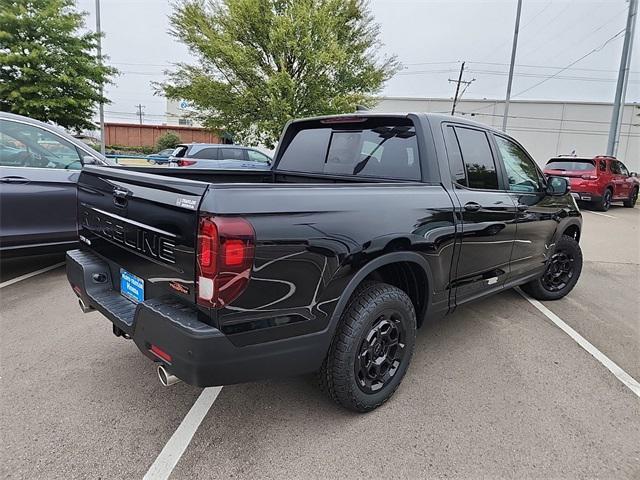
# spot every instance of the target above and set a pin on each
(29, 275)
(599, 213)
(179, 441)
(620, 374)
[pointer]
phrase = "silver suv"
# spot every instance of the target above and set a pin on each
(207, 155)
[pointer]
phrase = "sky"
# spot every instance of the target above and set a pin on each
(431, 38)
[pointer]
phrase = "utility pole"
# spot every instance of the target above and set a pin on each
(623, 80)
(140, 113)
(511, 67)
(458, 82)
(99, 32)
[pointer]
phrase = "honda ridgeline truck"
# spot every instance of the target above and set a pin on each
(366, 226)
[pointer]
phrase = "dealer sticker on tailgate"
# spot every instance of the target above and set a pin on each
(131, 286)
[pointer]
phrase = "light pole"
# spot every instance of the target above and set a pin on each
(511, 66)
(99, 32)
(623, 80)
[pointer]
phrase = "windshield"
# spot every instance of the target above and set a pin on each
(575, 165)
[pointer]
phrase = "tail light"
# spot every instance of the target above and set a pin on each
(590, 177)
(225, 257)
(186, 163)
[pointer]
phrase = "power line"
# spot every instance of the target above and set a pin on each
(590, 34)
(546, 119)
(597, 49)
(548, 76)
(506, 42)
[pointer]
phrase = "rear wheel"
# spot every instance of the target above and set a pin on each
(562, 272)
(605, 202)
(372, 348)
(633, 198)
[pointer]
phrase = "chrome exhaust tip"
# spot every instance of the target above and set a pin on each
(166, 379)
(84, 307)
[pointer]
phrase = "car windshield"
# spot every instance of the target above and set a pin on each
(571, 165)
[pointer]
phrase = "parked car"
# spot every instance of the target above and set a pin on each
(160, 157)
(597, 180)
(39, 168)
(366, 226)
(212, 155)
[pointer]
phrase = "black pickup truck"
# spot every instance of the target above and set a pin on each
(366, 226)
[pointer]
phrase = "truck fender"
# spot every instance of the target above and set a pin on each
(566, 224)
(386, 259)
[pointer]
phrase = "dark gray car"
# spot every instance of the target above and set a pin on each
(39, 169)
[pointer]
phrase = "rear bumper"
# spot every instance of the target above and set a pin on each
(586, 196)
(201, 355)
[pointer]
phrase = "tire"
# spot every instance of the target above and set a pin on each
(633, 198)
(377, 317)
(555, 283)
(605, 202)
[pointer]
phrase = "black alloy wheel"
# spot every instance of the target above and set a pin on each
(371, 349)
(381, 352)
(559, 271)
(605, 201)
(633, 198)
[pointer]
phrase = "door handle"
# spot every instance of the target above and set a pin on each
(522, 207)
(15, 180)
(472, 206)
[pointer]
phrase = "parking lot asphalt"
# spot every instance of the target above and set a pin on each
(495, 390)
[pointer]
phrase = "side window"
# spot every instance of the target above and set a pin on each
(603, 165)
(478, 159)
(255, 156)
(522, 173)
(623, 169)
(23, 145)
(207, 154)
(231, 154)
(615, 167)
(456, 166)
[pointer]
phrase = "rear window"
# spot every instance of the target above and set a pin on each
(571, 165)
(364, 149)
(179, 151)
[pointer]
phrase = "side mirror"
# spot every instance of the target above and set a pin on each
(557, 186)
(633, 174)
(89, 160)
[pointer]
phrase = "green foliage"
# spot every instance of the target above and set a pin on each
(49, 68)
(264, 62)
(167, 140)
(124, 149)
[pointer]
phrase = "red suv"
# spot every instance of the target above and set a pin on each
(599, 180)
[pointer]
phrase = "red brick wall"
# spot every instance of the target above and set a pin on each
(134, 135)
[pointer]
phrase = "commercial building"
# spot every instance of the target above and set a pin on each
(545, 128)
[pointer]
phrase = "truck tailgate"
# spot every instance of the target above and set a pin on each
(145, 226)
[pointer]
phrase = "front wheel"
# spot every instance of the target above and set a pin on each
(561, 274)
(633, 198)
(372, 348)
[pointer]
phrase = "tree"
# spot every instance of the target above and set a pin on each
(263, 62)
(49, 69)
(167, 140)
